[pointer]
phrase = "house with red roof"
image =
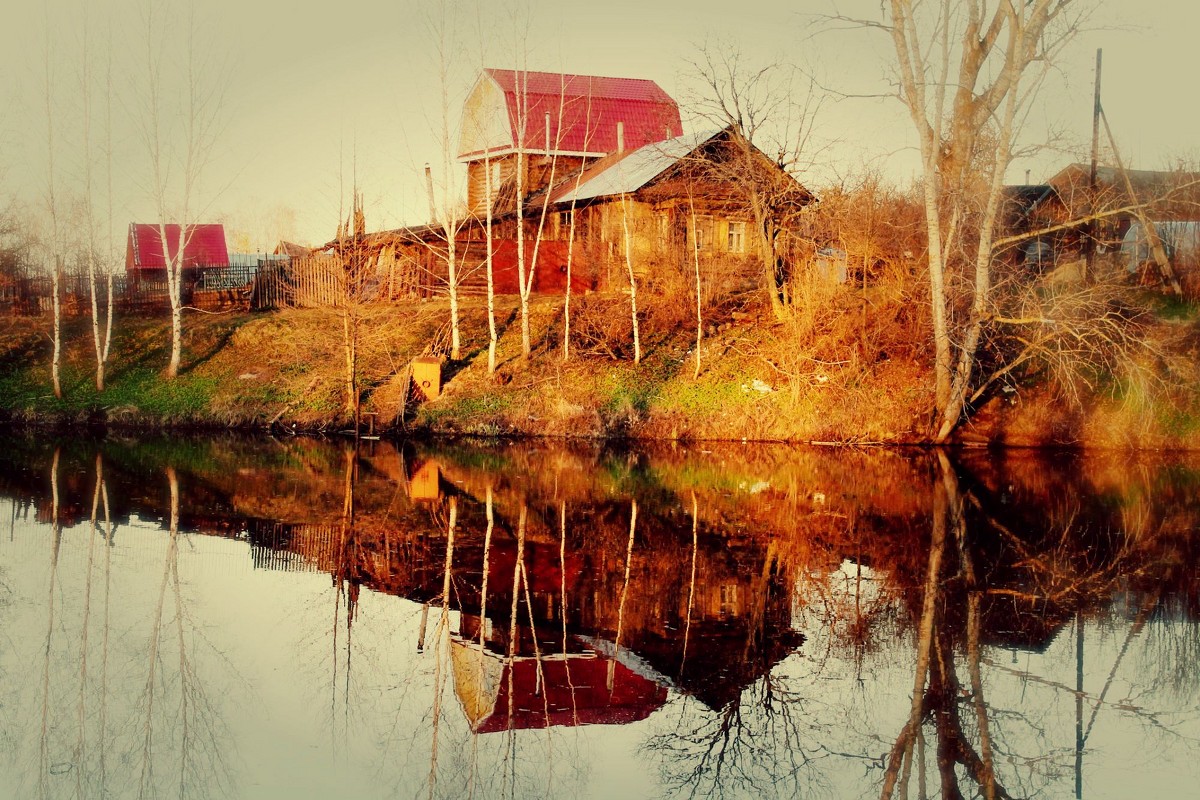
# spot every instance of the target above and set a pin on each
(588, 166)
(534, 119)
(204, 249)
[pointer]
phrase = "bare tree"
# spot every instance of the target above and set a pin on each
(353, 262)
(100, 341)
(53, 247)
(774, 125)
(633, 309)
(966, 73)
(447, 211)
(179, 129)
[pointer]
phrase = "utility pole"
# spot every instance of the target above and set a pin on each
(1090, 241)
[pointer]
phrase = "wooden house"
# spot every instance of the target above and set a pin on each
(1074, 216)
(526, 127)
(588, 166)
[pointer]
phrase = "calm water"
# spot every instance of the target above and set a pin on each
(293, 619)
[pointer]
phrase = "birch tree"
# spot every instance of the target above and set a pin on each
(101, 342)
(179, 129)
(446, 210)
(53, 247)
(966, 71)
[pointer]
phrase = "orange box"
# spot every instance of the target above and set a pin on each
(427, 376)
(425, 484)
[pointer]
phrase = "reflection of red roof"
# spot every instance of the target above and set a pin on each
(572, 692)
(204, 246)
(590, 106)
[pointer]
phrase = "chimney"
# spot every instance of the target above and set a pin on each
(1026, 177)
(620, 137)
(433, 215)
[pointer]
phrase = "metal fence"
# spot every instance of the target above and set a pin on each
(32, 295)
(314, 281)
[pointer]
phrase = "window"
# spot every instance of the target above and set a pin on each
(704, 233)
(729, 600)
(737, 237)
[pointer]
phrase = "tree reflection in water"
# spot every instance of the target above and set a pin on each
(767, 623)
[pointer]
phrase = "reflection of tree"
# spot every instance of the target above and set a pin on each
(936, 689)
(539, 584)
(181, 734)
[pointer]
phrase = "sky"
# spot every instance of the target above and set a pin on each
(316, 97)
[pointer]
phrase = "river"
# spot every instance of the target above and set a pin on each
(294, 618)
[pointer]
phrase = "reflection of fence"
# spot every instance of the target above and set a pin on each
(294, 548)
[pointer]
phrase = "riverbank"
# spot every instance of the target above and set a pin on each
(286, 370)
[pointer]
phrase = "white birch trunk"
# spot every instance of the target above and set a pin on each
(696, 262)
(56, 360)
(493, 338)
(633, 311)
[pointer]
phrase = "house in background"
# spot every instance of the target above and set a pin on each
(210, 279)
(1169, 200)
(598, 164)
(204, 250)
(546, 124)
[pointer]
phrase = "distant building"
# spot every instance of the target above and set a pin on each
(204, 250)
(1064, 217)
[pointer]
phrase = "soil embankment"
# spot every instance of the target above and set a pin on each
(287, 370)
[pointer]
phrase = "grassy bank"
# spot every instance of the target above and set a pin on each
(286, 369)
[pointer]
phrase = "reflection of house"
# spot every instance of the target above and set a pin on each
(546, 689)
(597, 165)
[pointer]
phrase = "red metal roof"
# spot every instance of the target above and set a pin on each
(570, 692)
(585, 109)
(204, 246)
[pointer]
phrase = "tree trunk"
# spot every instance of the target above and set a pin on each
(56, 359)
(633, 311)
(175, 287)
(96, 340)
(693, 246)
(493, 338)
(452, 276)
(526, 344)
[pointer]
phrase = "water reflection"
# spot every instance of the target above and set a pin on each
(261, 618)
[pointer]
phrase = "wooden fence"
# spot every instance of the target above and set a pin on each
(302, 283)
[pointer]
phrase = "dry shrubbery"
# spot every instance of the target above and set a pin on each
(835, 330)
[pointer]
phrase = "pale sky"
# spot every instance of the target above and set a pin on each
(313, 89)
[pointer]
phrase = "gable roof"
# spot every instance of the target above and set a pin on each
(624, 173)
(582, 110)
(204, 246)
(1148, 185)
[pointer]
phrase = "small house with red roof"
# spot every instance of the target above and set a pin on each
(204, 249)
(207, 280)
